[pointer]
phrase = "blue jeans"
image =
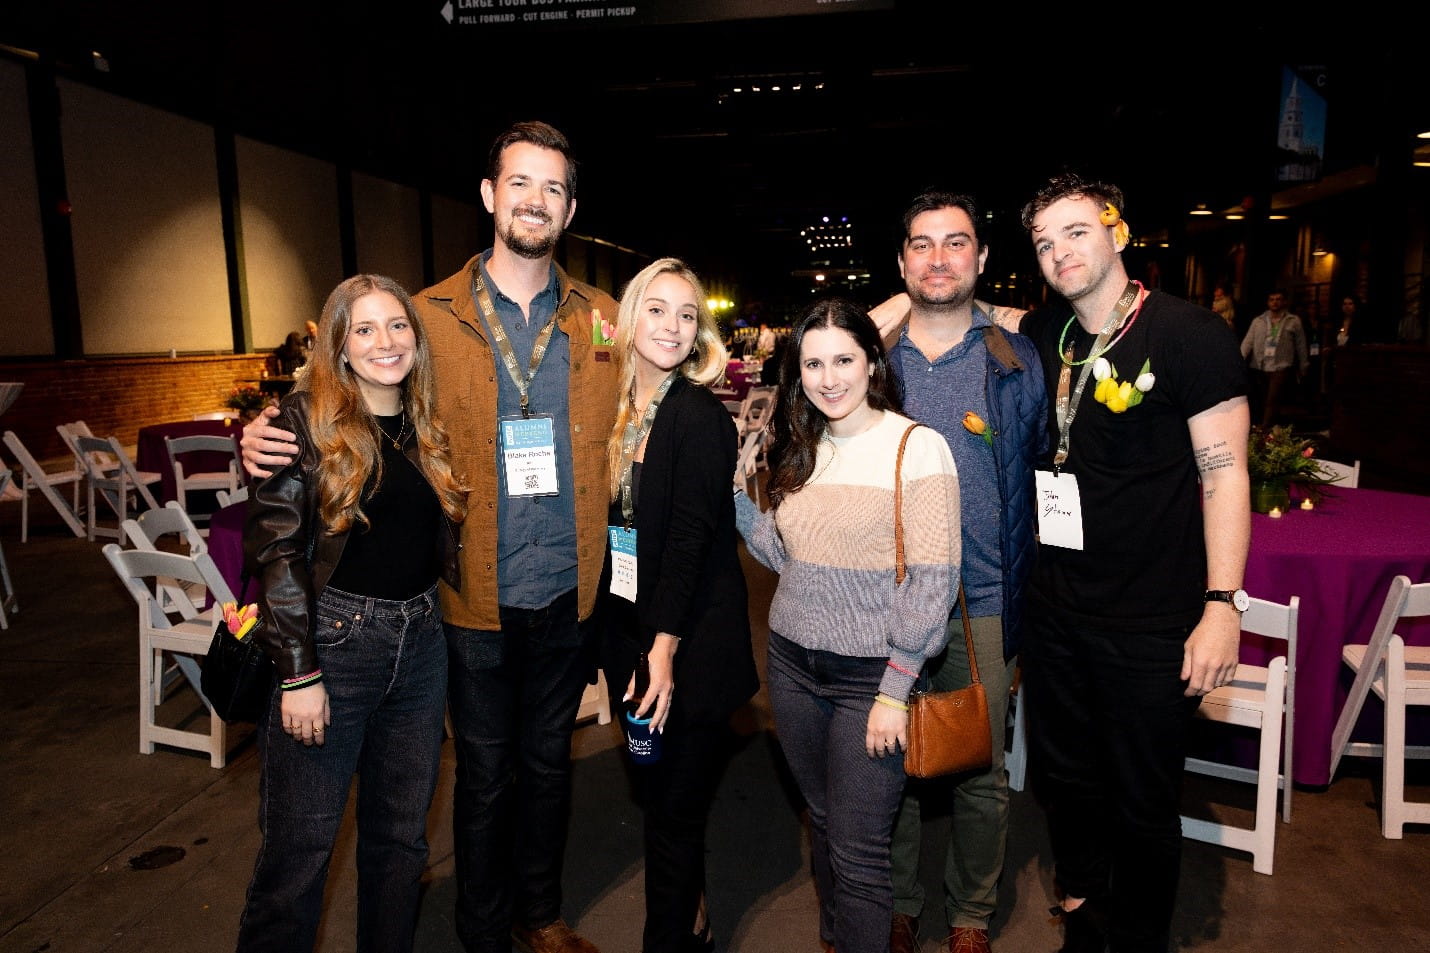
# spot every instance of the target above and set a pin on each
(385, 668)
(821, 702)
(1107, 734)
(513, 696)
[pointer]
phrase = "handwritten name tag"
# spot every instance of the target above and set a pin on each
(1059, 508)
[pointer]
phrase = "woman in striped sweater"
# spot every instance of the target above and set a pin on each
(845, 643)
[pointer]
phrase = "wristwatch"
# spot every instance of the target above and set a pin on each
(1238, 598)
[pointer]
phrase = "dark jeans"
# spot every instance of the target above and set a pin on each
(513, 696)
(385, 668)
(675, 795)
(821, 702)
(1107, 732)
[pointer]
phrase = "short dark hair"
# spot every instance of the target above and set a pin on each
(1071, 185)
(932, 200)
(538, 134)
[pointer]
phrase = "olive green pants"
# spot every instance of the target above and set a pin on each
(978, 802)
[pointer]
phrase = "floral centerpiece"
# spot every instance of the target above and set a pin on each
(1277, 458)
(247, 399)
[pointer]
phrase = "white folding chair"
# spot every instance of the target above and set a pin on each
(67, 432)
(595, 702)
(1015, 761)
(755, 409)
(752, 460)
(8, 605)
(1400, 677)
(147, 532)
(1348, 476)
(188, 637)
(225, 498)
(1262, 698)
(34, 477)
(110, 474)
(203, 480)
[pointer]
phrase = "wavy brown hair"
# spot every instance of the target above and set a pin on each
(798, 425)
(704, 366)
(345, 433)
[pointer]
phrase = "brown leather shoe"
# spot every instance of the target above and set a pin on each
(968, 940)
(553, 938)
(904, 934)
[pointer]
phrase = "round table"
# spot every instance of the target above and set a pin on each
(226, 549)
(1339, 558)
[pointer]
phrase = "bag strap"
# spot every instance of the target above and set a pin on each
(967, 635)
(901, 573)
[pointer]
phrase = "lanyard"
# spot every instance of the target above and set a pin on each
(1066, 407)
(499, 335)
(631, 439)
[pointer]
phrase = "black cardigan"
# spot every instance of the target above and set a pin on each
(689, 581)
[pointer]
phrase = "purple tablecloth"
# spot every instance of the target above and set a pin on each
(226, 549)
(1339, 558)
(153, 456)
(739, 377)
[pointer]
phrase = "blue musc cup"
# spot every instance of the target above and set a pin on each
(642, 741)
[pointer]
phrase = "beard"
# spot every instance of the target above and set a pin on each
(526, 244)
(958, 294)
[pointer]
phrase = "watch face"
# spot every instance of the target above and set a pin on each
(1241, 600)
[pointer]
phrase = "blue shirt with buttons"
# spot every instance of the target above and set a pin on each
(536, 535)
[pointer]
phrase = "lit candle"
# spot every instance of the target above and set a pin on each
(1306, 504)
(1275, 513)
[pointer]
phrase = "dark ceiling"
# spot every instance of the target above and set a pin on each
(673, 162)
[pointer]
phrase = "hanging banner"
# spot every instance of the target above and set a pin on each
(566, 13)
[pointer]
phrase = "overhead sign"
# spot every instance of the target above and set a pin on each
(566, 13)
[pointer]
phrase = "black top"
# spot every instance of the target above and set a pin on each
(1143, 562)
(689, 581)
(393, 558)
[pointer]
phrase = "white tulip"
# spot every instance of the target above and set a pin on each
(1101, 369)
(1145, 381)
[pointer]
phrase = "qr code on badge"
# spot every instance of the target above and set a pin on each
(532, 481)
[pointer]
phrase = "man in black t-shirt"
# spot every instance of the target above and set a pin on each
(1144, 521)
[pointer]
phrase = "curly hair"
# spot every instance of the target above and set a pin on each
(345, 433)
(1071, 185)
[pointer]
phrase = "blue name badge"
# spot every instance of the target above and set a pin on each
(623, 562)
(528, 449)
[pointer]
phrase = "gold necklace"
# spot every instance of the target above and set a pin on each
(401, 431)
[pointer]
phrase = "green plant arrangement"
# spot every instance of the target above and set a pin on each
(1277, 458)
(246, 399)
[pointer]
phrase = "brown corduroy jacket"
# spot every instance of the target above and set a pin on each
(467, 367)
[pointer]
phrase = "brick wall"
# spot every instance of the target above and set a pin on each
(116, 397)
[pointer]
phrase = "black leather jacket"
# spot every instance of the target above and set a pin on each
(282, 546)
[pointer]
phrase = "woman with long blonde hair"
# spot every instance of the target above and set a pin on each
(672, 451)
(349, 539)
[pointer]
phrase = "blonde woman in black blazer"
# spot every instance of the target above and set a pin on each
(672, 453)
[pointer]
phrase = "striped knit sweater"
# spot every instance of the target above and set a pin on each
(833, 545)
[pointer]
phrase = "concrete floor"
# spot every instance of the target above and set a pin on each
(83, 809)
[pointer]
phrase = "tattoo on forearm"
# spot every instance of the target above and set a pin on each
(1216, 457)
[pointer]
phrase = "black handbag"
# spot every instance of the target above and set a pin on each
(237, 676)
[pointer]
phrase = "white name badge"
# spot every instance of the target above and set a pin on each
(623, 562)
(1059, 510)
(1269, 351)
(528, 449)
